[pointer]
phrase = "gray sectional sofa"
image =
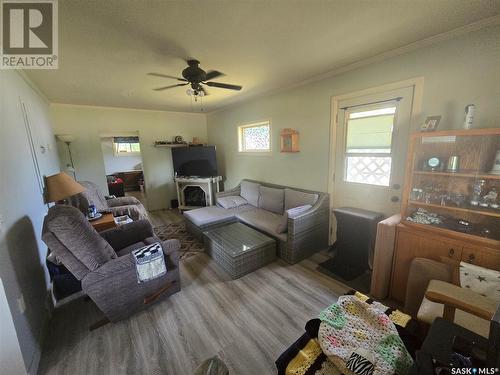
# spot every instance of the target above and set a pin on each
(298, 219)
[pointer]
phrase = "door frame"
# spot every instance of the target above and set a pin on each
(417, 83)
(125, 133)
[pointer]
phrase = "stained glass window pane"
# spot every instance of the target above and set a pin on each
(255, 138)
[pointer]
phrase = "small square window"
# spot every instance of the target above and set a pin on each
(255, 137)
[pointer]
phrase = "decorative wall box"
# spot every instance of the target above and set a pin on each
(289, 140)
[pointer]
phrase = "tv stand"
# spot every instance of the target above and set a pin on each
(196, 192)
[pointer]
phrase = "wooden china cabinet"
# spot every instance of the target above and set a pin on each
(450, 204)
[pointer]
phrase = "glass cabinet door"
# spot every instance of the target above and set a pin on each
(454, 183)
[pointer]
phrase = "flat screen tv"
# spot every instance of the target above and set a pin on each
(197, 161)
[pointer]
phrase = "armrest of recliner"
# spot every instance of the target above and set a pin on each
(128, 234)
(124, 266)
(123, 201)
(455, 297)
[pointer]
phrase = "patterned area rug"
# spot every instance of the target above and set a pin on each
(189, 245)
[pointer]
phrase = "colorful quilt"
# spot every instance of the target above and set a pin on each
(356, 335)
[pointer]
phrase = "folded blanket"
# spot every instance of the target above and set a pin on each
(359, 338)
(305, 356)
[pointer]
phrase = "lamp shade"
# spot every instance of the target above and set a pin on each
(61, 186)
(67, 138)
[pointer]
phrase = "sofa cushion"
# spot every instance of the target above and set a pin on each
(295, 198)
(250, 191)
(262, 220)
(271, 199)
(481, 280)
(231, 201)
(291, 213)
(213, 214)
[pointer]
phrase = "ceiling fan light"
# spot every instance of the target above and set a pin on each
(201, 93)
(190, 91)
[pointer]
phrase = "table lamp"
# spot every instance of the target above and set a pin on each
(61, 186)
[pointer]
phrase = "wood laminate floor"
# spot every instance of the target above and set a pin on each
(247, 322)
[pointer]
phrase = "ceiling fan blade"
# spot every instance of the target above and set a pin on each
(213, 74)
(166, 76)
(171, 86)
(224, 85)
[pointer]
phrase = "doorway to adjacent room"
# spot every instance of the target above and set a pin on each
(123, 165)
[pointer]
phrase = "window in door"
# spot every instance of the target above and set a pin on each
(368, 152)
(255, 137)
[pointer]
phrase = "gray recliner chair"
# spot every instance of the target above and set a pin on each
(120, 206)
(104, 263)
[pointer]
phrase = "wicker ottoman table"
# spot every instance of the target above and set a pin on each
(239, 249)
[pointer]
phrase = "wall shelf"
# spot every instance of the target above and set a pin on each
(483, 176)
(173, 145)
(486, 212)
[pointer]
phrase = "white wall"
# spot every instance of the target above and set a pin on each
(457, 72)
(122, 163)
(11, 358)
(89, 123)
(22, 253)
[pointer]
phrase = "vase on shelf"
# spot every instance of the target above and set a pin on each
(496, 164)
(477, 192)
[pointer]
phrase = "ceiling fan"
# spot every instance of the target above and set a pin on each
(196, 77)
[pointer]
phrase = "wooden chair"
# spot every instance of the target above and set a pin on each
(453, 297)
(444, 298)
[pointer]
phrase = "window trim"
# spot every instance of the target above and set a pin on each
(389, 154)
(251, 125)
(121, 154)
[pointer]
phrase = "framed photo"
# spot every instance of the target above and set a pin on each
(431, 123)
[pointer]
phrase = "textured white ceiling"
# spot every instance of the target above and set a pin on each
(106, 47)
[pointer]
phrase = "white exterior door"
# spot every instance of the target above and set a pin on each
(371, 147)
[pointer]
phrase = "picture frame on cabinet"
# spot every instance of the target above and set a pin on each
(431, 123)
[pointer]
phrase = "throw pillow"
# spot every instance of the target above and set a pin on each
(292, 213)
(480, 280)
(232, 201)
(295, 198)
(271, 199)
(250, 191)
